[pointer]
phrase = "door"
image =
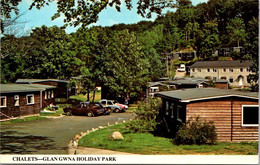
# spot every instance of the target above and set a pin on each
(240, 81)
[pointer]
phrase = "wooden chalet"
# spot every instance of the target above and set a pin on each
(234, 113)
(24, 99)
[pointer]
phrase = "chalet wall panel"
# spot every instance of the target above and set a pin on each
(226, 114)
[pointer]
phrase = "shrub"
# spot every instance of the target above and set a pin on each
(146, 116)
(196, 132)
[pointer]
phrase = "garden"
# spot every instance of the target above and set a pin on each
(142, 136)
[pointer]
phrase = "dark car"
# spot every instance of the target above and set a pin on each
(85, 108)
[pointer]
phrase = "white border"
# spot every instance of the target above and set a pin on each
(242, 114)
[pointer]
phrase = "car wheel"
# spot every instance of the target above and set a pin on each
(90, 114)
(69, 113)
(117, 110)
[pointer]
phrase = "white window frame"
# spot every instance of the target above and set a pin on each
(242, 114)
(49, 94)
(52, 93)
(167, 107)
(45, 95)
(17, 100)
(172, 110)
(5, 103)
(32, 99)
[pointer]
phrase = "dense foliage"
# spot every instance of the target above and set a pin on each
(196, 132)
(125, 57)
(146, 117)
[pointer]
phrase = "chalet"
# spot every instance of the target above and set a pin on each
(62, 89)
(234, 113)
(24, 99)
(185, 54)
(236, 72)
(181, 83)
(152, 88)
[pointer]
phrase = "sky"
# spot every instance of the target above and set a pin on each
(108, 17)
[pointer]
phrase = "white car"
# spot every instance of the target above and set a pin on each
(181, 68)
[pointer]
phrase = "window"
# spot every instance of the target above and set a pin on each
(167, 108)
(109, 103)
(199, 70)
(241, 69)
(248, 79)
(230, 69)
(30, 99)
(208, 70)
(214, 78)
(45, 94)
(193, 70)
(250, 115)
(49, 94)
(103, 102)
(179, 108)
(214, 70)
(52, 94)
(172, 109)
(231, 79)
(3, 101)
(248, 69)
(16, 99)
(224, 70)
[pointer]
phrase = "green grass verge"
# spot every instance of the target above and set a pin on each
(147, 144)
(31, 118)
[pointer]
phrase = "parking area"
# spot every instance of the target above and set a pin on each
(51, 136)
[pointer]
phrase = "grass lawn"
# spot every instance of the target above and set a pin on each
(31, 118)
(147, 144)
(82, 97)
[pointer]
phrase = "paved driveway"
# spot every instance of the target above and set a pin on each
(50, 136)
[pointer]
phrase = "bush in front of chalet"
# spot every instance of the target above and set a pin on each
(196, 132)
(146, 116)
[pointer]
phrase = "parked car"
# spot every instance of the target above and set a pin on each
(109, 104)
(181, 68)
(86, 108)
(123, 106)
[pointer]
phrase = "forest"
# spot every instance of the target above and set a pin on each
(125, 57)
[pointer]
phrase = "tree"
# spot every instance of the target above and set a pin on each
(148, 40)
(208, 39)
(236, 31)
(84, 12)
(253, 46)
(126, 68)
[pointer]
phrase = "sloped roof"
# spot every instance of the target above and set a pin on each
(29, 81)
(195, 94)
(215, 64)
(12, 88)
(188, 81)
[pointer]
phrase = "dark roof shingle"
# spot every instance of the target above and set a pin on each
(187, 95)
(215, 64)
(11, 88)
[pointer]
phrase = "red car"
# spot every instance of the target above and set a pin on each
(86, 108)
